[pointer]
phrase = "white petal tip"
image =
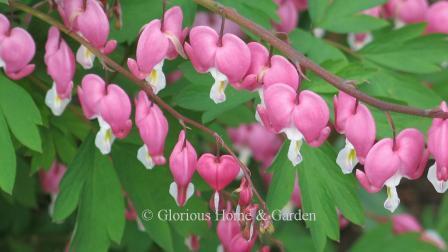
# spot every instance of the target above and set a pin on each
(144, 157)
(85, 57)
(347, 159)
(440, 185)
(104, 138)
(55, 103)
(294, 152)
(392, 201)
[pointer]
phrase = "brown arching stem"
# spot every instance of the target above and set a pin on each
(392, 126)
(300, 60)
(142, 84)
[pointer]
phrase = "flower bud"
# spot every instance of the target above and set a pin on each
(183, 162)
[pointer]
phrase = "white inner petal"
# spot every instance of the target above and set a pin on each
(156, 79)
(346, 158)
(294, 152)
(145, 158)
(85, 57)
(440, 185)
(217, 92)
(356, 44)
(190, 192)
(216, 201)
(54, 102)
(173, 191)
(2, 63)
(220, 248)
(392, 200)
(293, 134)
(104, 138)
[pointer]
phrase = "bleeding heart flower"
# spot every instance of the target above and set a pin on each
(183, 162)
(407, 11)
(213, 21)
(218, 172)
(387, 162)
(299, 116)
(50, 181)
(92, 24)
(227, 59)
(91, 91)
(230, 234)
(358, 40)
(254, 140)
(438, 147)
(300, 5)
(356, 122)
(289, 16)
(193, 242)
(158, 41)
(245, 191)
(404, 223)
(131, 215)
(153, 128)
(114, 119)
(437, 17)
(69, 10)
(265, 70)
(60, 62)
(17, 49)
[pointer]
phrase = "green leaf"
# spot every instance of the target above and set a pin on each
(196, 95)
(73, 181)
(315, 48)
(144, 190)
(21, 113)
(406, 50)
(101, 208)
(7, 158)
(345, 16)
(25, 186)
(283, 179)
(324, 189)
(48, 155)
(382, 238)
(261, 11)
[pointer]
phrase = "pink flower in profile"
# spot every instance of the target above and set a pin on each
(193, 243)
(93, 25)
(405, 223)
(245, 191)
(183, 162)
(213, 21)
(60, 62)
(388, 161)
(158, 41)
(153, 128)
(407, 11)
(437, 17)
(302, 116)
(438, 147)
(114, 119)
(355, 121)
(91, 91)
(218, 172)
(227, 59)
(265, 70)
(358, 40)
(50, 181)
(289, 16)
(17, 49)
(231, 236)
